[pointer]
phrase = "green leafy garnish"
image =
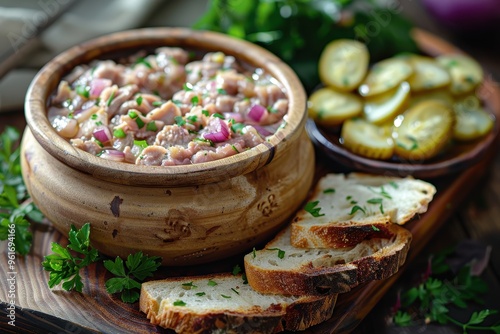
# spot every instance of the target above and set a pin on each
(375, 228)
(224, 296)
(65, 263)
(377, 201)
(236, 270)
(237, 127)
(151, 126)
(110, 99)
(143, 61)
(357, 208)
(83, 91)
(218, 115)
(211, 283)
(329, 191)
(195, 100)
(234, 290)
(206, 141)
(254, 253)
(138, 100)
(179, 120)
(281, 253)
(312, 209)
(205, 112)
(179, 303)
(200, 294)
(432, 298)
(128, 277)
(141, 143)
(382, 192)
(16, 208)
(187, 87)
(221, 91)
(119, 133)
(156, 103)
(188, 286)
(192, 118)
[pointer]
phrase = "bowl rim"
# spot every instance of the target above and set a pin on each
(49, 76)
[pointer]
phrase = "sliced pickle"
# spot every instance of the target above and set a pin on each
(466, 73)
(427, 74)
(423, 131)
(441, 95)
(366, 139)
(343, 64)
(385, 75)
(472, 121)
(329, 107)
(384, 107)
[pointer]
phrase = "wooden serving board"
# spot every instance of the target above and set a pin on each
(41, 310)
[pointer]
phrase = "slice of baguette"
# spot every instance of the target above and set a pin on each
(381, 199)
(319, 271)
(223, 303)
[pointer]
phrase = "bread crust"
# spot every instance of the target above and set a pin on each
(314, 278)
(305, 312)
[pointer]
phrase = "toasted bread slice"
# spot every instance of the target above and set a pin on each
(351, 207)
(223, 303)
(281, 268)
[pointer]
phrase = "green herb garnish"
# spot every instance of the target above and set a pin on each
(143, 61)
(110, 99)
(234, 148)
(192, 118)
(179, 120)
(141, 143)
(221, 91)
(281, 253)
(357, 208)
(156, 103)
(205, 112)
(187, 87)
(237, 127)
(119, 133)
(235, 291)
(128, 277)
(211, 283)
(312, 209)
(218, 115)
(179, 303)
(83, 91)
(138, 100)
(64, 266)
(236, 270)
(375, 228)
(151, 126)
(195, 100)
(189, 286)
(206, 141)
(224, 296)
(200, 294)
(329, 191)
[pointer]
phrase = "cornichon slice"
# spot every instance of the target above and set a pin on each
(329, 108)
(385, 107)
(427, 74)
(472, 121)
(385, 75)
(343, 64)
(465, 72)
(366, 139)
(422, 131)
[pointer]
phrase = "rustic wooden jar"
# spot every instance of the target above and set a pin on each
(185, 214)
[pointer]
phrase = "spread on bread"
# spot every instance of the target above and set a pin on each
(348, 234)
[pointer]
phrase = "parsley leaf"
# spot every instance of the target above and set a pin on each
(281, 253)
(65, 267)
(129, 275)
(313, 210)
(357, 208)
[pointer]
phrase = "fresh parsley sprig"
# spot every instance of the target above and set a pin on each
(432, 298)
(65, 263)
(16, 208)
(130, 275)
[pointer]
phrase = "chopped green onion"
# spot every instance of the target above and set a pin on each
(221, 91)
(199, 294)
(234, 148)
(195, 100)
(179, 303)
(211, 283)
(157, 103)
(138, 100)
(218, 115)
(188, 286)
(187, 87)
(177, 102)
(110, 99)
(143, 61)
(141, 143)
(237, 127)
(281, 253)
(93, 117)
(152, 126)
(98, 123)
(139, 122)
(179, 120)
(329, 191)
(192, 118)
(374, 200)
(203, 140)
(205, 112)
(119, 133)
(83, 91)
(133, 114)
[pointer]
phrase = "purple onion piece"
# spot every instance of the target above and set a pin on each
(113, 155)
(102, 134)
(218, 131)
(257, 112)
(98, 85)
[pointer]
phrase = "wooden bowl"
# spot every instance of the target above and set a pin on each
(456, 159)
(186, 214)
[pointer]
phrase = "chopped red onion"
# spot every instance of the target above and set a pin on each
(238, 118)
(257, 112)
(102, 134)
(218, 130)
(114, 155)
(97, 86)
(263, 131)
